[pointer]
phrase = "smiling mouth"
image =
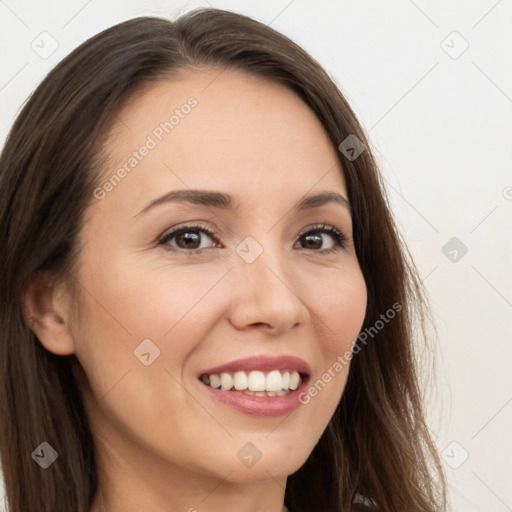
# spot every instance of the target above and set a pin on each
(256, 383)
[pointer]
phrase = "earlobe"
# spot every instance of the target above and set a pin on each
(46, 312)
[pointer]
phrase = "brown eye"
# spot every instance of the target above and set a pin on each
(313, 238)
(188, 238)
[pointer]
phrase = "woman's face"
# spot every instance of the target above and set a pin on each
(158, 314)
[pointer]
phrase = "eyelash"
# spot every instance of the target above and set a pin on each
(337, 235)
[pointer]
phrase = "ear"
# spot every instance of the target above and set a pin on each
(46, 310)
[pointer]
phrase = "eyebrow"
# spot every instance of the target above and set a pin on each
(227, 202)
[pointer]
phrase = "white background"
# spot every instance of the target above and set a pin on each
(441, 126)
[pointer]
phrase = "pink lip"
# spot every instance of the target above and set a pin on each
(263, 406)
(262, 363)
(269, 406)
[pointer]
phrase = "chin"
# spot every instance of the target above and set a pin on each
(279, 464)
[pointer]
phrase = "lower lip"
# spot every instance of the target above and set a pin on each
(264, 406)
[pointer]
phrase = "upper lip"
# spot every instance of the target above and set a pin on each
(262, 363)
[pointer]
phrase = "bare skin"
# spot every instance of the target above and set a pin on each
(162, 443)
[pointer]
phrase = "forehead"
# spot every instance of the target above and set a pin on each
(221, 129)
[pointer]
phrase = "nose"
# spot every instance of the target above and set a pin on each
(267, 294)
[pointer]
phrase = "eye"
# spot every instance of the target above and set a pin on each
(313, 238)
(188, 238)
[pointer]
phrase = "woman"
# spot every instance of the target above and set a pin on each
(267, 366)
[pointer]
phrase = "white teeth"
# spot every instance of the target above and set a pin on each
(294, 380)
(275, 383)
(240, 381)
(215, 381)
(256, 381)
(226, 381)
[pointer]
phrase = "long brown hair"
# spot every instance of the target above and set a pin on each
(377, 443)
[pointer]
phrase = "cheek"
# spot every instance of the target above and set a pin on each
(339, 309)
(137, 335)
(128, 303)
(141, 322)
(340, 305)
